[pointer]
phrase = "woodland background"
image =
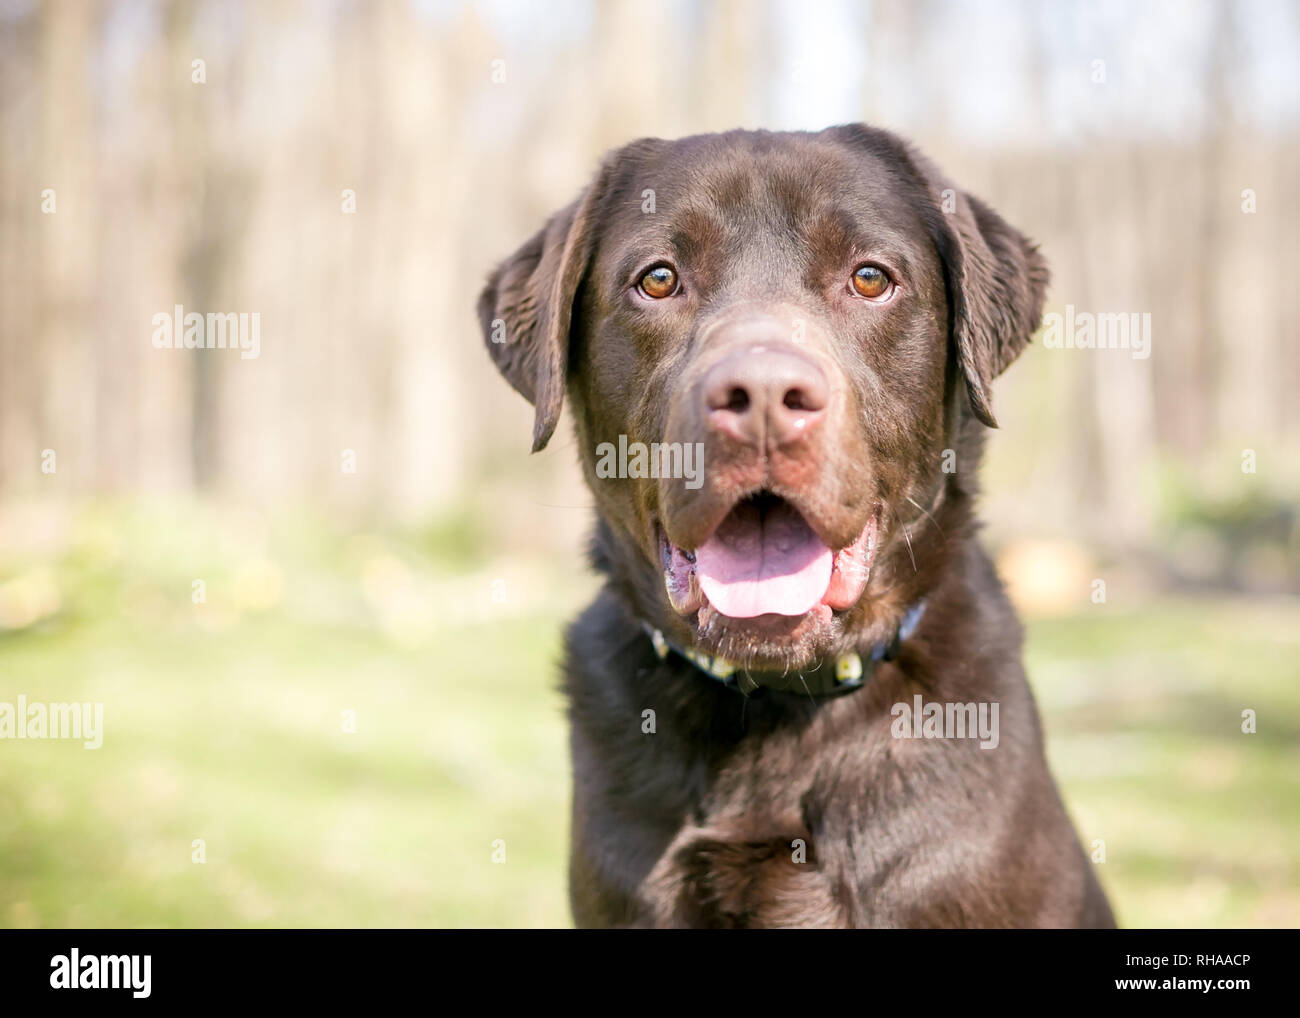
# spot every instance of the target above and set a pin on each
(1129, 139)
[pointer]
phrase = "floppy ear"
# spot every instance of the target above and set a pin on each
(996, 279)
(996, 283)
(526, 308)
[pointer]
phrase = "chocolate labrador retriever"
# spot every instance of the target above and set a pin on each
(798, 699)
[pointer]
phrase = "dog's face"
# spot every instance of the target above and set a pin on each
(821, 316)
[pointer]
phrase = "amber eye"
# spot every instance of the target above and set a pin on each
(871, 282)
(659, 282)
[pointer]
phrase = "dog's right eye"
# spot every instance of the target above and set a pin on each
(659, 282)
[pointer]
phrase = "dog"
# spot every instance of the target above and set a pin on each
(773, 699)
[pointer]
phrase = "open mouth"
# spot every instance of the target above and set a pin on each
(764, 559)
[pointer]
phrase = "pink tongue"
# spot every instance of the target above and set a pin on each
(756, 563)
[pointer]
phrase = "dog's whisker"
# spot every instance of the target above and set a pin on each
(927, 515)
(804, 682)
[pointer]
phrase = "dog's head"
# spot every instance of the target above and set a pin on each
(821, 317)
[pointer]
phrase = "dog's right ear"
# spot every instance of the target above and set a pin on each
(526, 308)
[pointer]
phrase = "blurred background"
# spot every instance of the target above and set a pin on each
(320, 591)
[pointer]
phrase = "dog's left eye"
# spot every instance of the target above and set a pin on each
(872, 282)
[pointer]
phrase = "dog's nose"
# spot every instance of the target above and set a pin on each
(765, 396)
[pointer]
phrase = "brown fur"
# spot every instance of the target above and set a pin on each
(699, 823)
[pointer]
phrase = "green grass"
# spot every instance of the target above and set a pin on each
(224, 722)
(1143, 713)
(238, 739)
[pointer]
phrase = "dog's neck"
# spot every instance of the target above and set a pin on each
(829, 677)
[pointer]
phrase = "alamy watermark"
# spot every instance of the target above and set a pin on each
(1102, 330)
(75, 971)
(217, 330)
(949, 720)
(681, 460)
(23, 720)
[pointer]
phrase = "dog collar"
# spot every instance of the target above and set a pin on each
(833, 677)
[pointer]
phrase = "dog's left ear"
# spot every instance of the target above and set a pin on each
(526, 307)
(996, 281)
(995, 277)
